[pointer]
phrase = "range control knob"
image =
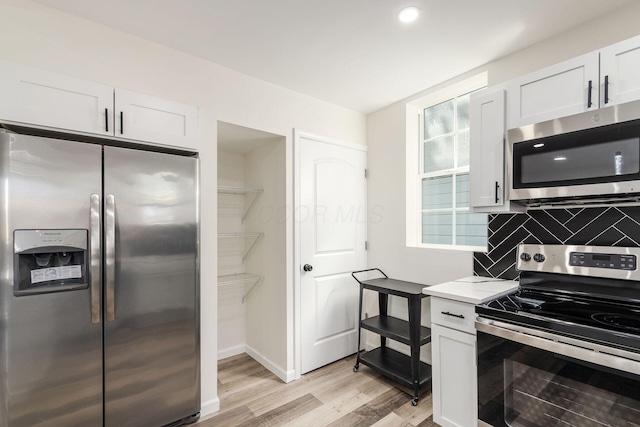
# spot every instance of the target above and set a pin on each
(538, 257)
(525, 256)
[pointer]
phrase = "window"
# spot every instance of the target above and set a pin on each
(441, 183)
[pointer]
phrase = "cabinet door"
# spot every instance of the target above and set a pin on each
(620, 72)
(44, 99)
(146, 118)
(455, 394)
(486, 167)
(560, 90)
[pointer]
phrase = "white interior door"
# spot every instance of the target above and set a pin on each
(332, 218)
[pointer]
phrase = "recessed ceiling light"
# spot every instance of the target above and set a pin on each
(559, 158)
(408, 14)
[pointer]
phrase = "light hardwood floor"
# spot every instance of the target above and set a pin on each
(334, 395)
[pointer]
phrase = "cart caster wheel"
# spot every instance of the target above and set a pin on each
(414, 401)
(355, 368)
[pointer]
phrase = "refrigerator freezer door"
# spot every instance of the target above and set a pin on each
(152, 343)
(50, 351)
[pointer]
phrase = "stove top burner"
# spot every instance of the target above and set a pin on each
(594, 319)
(624, 323)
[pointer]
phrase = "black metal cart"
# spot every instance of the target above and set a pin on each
(406, 370)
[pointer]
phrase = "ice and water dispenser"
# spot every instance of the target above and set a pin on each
(49, 261)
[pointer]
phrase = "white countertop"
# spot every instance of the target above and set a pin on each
(474, 289)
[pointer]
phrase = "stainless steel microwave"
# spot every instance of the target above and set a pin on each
(589, 156)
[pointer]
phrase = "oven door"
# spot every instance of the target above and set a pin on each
(530, 378)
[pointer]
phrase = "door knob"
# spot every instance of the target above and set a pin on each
(307, 267)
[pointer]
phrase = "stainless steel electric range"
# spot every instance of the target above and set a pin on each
(564, 349)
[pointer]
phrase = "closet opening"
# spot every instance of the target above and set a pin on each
(252, 233)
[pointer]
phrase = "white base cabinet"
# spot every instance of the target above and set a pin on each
(453, 363)
(38, 98)
(455, 391)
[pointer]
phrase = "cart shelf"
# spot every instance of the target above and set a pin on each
(406, 370)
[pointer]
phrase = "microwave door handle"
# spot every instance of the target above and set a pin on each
(94, 256)
(110, 256)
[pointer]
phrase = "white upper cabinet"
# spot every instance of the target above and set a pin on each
(486, 171)
(620, 72)
(37, 97)
(563, 89)
(487, 164)
(146, 118)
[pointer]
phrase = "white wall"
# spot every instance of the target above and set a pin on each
(32, 34)
(386, 139)
(266, 305)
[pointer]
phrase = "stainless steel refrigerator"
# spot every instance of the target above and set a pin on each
(98, 285)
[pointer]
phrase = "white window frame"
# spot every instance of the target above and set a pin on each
(415, 159)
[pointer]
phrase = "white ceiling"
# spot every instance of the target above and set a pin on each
(352, 53)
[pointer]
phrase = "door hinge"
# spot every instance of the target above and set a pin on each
(366, 245)
(366, 173)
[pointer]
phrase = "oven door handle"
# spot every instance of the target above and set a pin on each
(577, 349)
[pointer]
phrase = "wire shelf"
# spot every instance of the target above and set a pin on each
(226, 189)
(234, 279)
(231, 248)
(238, 235)
(239, 278)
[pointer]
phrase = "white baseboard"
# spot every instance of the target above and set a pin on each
(231, 351)
(285, 376)
(209, 407)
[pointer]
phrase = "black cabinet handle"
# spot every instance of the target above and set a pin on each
(606, 89)
(121, 123)
(497, 191)
(589, 103)
(106, 120)
(446, 313)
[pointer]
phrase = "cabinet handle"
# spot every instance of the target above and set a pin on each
(589, 103)
(106, 120)
(446, 313)
(121, 123)
(497, 191)
(606, 89)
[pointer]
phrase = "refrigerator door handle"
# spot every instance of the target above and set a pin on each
(110, 255)
(94, 254)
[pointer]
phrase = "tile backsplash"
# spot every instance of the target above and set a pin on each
(603, 226)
